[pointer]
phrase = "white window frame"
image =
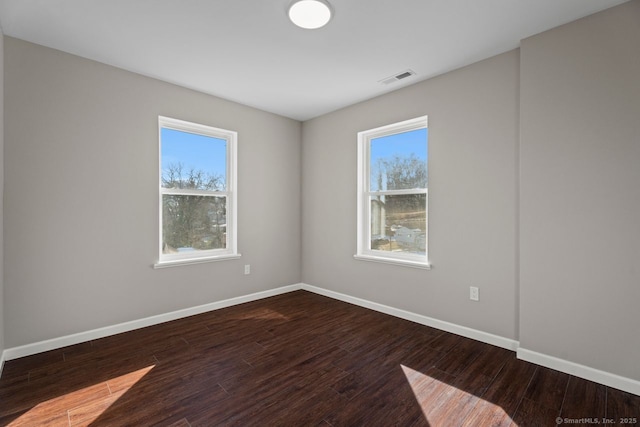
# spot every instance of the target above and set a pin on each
(364, 251)
(230, 251)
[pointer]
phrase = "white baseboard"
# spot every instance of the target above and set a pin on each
(52, 344)
(2, 355)
(612, 380)
(475, 334)
(591, 374)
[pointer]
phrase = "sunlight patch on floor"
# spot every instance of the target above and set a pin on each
(81, 406)
(444, 404)
(263, 314)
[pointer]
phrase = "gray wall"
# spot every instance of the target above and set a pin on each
(473, 139)
(533, 196)
(81, 200)
(580, 191)
(2, 346)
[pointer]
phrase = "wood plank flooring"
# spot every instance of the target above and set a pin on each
(297, 359)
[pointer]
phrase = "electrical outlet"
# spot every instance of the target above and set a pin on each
(247, 269)
(474, 293)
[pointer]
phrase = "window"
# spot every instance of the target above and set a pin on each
(392, 193)
(197, 193)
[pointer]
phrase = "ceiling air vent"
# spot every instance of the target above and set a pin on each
(397, 77)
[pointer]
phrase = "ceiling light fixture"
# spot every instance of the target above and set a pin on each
(310, 14)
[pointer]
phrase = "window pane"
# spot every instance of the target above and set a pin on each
(399, 161)
(193, 161)
(193, 223)
(399, 223)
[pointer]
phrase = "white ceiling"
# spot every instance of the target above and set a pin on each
(248, 51)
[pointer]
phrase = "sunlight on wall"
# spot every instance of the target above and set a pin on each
(88, 403)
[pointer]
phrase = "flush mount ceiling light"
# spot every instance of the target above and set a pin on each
(310, 14)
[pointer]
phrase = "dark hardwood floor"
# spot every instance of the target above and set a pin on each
(297, 359)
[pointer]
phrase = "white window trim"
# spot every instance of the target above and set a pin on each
(231, 251)
(364, 252)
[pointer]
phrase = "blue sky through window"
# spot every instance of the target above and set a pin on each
(193, 151)
(400, 144)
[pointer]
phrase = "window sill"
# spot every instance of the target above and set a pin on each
(383, 260)
(189, 261)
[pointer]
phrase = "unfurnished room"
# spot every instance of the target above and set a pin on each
(319, 213)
